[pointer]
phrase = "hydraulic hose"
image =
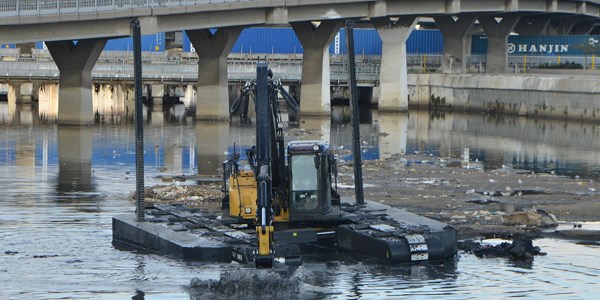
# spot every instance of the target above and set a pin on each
(291, 102)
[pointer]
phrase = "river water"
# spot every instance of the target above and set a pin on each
(61, 186)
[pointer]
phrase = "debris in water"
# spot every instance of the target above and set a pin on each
(188, 195)
(521, 249)
(532, 217)
(255, 283)
(139, 295)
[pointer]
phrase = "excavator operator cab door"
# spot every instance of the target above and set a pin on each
(305, 185)
(309, 182)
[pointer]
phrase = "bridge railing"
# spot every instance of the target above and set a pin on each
(15, 8)
(159, 67)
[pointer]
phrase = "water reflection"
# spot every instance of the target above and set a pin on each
(212, 140)
(98, 160)
(342, 114)
(8, 103)
(393, 132)
(74, 160)
(25, 155)
(315, 128)
(541, 145)
(157, 116)
(26, 114)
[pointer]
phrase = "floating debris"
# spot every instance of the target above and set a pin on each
(256, 283)
(520, 249)
(533, 217)
(188, 195)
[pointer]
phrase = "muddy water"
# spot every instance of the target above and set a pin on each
(61, 185)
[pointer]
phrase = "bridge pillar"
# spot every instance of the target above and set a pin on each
(26, 92)
(497, 34)
(213, 89)
(75, 63)
(457, 42)
(158, 93)
(532, 25)
(393, 80)
(315, 90)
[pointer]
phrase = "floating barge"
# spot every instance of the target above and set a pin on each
(373, 229)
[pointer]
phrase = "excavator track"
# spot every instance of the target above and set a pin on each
(372, 229)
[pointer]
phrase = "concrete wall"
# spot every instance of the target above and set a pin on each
(558, 96)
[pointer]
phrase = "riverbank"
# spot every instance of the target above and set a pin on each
(495, 202)
(561, 96)
(498, 202)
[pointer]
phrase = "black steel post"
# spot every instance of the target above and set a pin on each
(264, 142)
(356, 154)
(139, 120)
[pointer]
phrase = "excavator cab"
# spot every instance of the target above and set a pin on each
(311, 192)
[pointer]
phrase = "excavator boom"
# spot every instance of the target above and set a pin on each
(264, 129)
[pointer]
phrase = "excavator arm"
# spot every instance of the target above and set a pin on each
(264, 142)
(266, 160)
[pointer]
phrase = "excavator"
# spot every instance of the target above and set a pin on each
(289, 194)
(283, 186)
(285, 200)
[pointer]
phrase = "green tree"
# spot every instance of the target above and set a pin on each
(589, 48)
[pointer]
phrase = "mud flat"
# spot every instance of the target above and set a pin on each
(477, 201)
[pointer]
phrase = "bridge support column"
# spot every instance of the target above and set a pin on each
(315, 89)
(497, 34)
(158, 94)
(457, 42)
(393, 80)
(26, 92)
(75, 63)
(213, 89)
(534, 25)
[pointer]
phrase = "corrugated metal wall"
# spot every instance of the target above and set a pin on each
(284, 41)
(260, 40)
(267, 40)
(543, 45)
(425, 41)
(368, 42)
(151, 42)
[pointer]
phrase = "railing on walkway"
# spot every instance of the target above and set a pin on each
(15, 8)
(521, 63)
(287, 67)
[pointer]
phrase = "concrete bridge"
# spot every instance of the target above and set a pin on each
(92, 22)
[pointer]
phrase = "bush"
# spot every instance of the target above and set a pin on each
(565, 65)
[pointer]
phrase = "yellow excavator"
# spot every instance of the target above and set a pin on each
(288, 193)
(290, 187)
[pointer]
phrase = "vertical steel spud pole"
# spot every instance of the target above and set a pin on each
(139, 120)
(356, 154)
